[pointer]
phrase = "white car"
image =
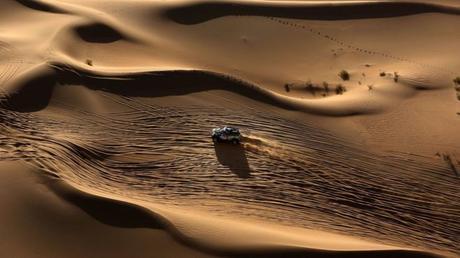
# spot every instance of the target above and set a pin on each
(226, 134)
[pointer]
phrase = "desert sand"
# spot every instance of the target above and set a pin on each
(349, 113)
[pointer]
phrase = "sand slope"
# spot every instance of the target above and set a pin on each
(116, 98)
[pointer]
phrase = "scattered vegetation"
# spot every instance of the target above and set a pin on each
(344, 75)
(457, 80)
(370, 87)
(326, 87)
(89, 62)
(396, 77)
(310, 87)
(287, 87)
(382, 74)
(457, 86)
(340, 89)
(316, 89)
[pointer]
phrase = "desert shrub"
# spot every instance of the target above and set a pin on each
(396, 77)
(370, 87)
(326, 87)
(89, 62)
(310, 87)
(340, 89)
(382, 74)
(287, 88)
(344, 75)
(457, 80)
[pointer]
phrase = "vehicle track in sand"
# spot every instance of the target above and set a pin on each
(283, 171)
(347, 45)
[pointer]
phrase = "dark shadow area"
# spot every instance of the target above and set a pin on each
(312, 253)
(201, 12)
(161, 84)
(33, 94)
(126, 215)
(39, 6)
(98, 33)
(106, 211)
(233, 156)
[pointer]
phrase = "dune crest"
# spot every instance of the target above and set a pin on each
(348, 112)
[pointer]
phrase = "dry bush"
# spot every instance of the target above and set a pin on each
(310, 87)
(344, 75)
(340, 89)
(396, 77)
(326, 87)
(457, 80)
(287, 88)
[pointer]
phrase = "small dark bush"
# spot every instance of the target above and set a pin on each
(370, 87)
(344, 75)
(457, 80)
(340, 89)
(382, 74)
(396, 77)
(326, 87)
(287, 88)
(310, 87)
(89, 62)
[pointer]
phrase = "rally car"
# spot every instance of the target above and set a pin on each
(226, 134)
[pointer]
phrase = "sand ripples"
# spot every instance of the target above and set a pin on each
(284, 170)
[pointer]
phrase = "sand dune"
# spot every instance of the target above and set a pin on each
(321, 10)
(106, 108)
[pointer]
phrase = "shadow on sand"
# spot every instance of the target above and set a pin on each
(233, 156)
(126, 215)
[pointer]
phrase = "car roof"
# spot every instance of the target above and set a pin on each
(229, 128)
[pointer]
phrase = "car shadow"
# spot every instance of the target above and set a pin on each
(234, 157)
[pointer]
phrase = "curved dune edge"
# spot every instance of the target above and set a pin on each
(198, 12)
(223, 236)
(23, 91)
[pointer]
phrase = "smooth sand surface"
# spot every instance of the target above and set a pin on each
(106, 109)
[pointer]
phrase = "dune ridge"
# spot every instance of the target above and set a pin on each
(83, 158)
(94, 203)
(116, 99)
(203, 11)
(174, 82)
(179, 82)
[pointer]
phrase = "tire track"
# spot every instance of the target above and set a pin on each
(347, 45)
(296, 173)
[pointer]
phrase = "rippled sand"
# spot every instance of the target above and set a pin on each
(116, 100)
